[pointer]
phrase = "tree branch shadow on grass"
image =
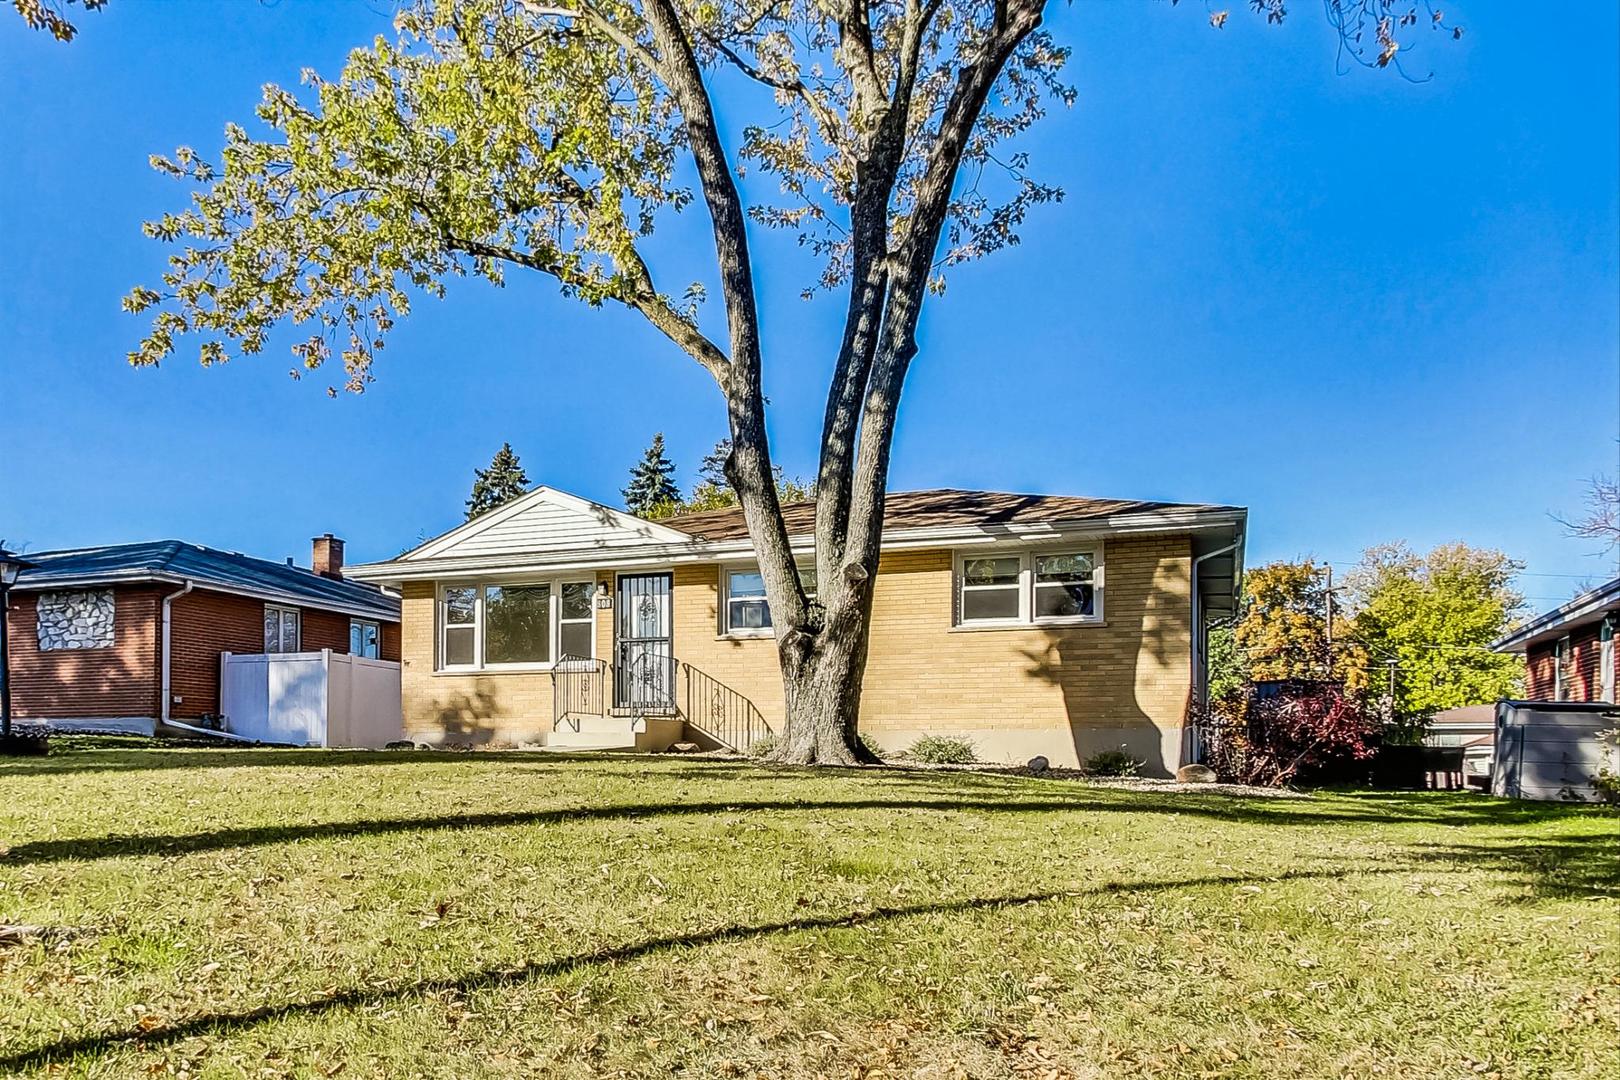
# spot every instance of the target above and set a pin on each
(1467, 812)
(498, 977)
(1562, 868)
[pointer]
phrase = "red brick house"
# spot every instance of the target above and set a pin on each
(129, 636)
(1569, 652)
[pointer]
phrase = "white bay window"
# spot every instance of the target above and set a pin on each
(1056, 586)
(515, 625)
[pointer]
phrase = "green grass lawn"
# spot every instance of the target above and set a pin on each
(270, 913)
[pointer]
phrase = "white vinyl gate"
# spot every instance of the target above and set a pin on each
(311, 698)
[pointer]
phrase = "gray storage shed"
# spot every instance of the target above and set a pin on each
(1551, 750)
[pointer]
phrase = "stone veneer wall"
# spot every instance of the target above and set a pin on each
(82, 619)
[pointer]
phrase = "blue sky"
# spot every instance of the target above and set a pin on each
(1366, 309)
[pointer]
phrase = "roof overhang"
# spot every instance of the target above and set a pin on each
(150, 577)
(1230, 522)
(1585, 608)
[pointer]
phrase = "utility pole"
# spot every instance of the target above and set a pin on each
(1389, 699)
(1329, 595)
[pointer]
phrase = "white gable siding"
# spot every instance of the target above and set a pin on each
(546, 521)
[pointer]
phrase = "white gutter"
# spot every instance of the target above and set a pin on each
(660, 555)
(163, 710)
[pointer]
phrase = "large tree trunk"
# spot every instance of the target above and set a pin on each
(821, 678)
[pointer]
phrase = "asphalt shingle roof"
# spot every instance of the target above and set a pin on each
(936, 508)
(178, 561)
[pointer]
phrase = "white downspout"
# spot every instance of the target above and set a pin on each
(168, 693)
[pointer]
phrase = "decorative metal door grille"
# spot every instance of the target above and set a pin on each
(645, 679)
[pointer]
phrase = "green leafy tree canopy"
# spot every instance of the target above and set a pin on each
(1436, 616)
(1282, 630)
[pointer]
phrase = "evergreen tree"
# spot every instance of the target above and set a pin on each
(502, 482)
(652, 491)
(712, 470)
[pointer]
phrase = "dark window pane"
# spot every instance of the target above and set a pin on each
(1055, 601)
(458, 646)
(576, 639)
(1066, 568)
(458, 605)
(750, 615)
(1001, 571)
(517, 624)
(989, 604)
(576, 599)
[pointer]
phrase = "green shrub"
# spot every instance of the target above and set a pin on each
(942, 750)
(1113, 763)
(872, 746)
(762, 745)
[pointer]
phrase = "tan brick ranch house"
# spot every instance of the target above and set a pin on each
(1027, 623)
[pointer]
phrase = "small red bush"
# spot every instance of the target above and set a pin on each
(1280, 733)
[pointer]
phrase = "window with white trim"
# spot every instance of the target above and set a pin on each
(1562, 654)
(576, 619)
(744, 611)
(515, 625)
(280, 629)
(365, 638)
(1056, 586)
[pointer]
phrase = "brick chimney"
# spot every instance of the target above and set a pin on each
(327, 558)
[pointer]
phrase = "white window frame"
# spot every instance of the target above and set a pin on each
(553, 622)
(375, 625)
(1561, 657)
(1026, 556)
(284, 610)
(723, 612)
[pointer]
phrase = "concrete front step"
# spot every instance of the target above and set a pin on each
(648, 733)
(599, 725)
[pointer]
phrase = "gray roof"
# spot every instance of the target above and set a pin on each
(231, 571)
(1587, 608)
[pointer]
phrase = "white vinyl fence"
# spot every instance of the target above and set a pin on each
(311, 698)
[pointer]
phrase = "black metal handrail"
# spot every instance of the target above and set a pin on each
(718, 711)
(656, 683)
(579, 687)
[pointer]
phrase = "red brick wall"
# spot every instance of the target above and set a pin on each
(1538, 672)
(206, 624)
(1583, 673)
(202, 625)
(125, 680)
(64, 684)
(1586, 684)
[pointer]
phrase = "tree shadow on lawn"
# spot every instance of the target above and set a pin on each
(191, 756)
(1554, 868)
(1460, 811)
(219, 1024)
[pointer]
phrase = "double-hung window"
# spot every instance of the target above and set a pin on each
(280, 629)
(992, 588)
(1057, 586)
(1563, 683)
(744, 611)
(364, 636)
(517, 625)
